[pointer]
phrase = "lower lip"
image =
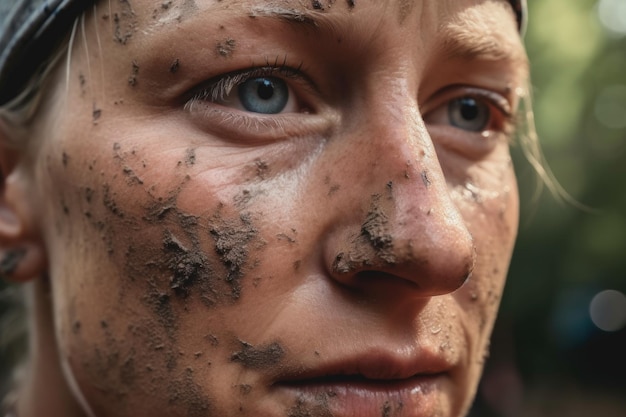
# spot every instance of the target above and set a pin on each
(419, 396)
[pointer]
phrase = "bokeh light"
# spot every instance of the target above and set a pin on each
(608, 310)
(612, 14)
(610, 106)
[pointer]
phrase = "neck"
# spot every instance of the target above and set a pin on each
(44, 390)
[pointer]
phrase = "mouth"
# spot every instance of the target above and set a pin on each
(371, 385)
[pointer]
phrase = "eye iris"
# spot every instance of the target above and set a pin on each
(470, 114)
(267, 95)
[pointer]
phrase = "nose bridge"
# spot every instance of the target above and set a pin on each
(409, 226)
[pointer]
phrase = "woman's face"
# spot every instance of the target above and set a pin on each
(284, 208)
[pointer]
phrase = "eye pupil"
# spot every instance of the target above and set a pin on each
(469, 109)
(265, 89)
(469, 114)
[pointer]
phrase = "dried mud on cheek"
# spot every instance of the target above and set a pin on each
(233, 239)
(258, 357)
(186, 393)
(316, 407)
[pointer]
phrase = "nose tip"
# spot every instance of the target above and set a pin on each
(430, 248)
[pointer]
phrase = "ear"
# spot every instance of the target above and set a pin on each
(22, 255)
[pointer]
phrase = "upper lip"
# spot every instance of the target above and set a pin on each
(372, 365)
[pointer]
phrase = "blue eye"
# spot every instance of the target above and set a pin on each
(470, 114)
(267, 95)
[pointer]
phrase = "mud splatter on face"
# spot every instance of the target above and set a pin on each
(175, 66)
(190, 157)
(373, 241)
(404, 9)
(260, 357)
(124, 23)
(184, 392)
(316, 407)
(375, 230)
(226, 47)
(109, 201)
(132, 79)
(262, 168)
(317, 5)
(95, 114)
(232, 238)
(187, 267)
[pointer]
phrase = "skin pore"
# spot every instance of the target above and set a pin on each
(253, 208)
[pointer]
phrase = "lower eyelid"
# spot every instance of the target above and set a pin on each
(246, 128)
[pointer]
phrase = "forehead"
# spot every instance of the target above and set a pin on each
(313, 12)
(474, 28)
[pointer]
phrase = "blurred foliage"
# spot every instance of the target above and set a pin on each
(566, 254)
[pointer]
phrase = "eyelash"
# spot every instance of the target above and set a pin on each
(219, 88)
(504, 119)
(507, 118)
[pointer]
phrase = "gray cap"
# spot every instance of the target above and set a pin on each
(30, 30)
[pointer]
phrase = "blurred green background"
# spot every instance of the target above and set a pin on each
(550, 355)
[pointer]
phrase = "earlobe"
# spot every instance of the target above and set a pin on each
(21, 252)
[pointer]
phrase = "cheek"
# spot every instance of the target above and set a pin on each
(145, 265)
(492, 218)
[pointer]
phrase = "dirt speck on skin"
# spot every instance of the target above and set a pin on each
(175, 66)
(95, 114)
(127, 371)
(185, 393)
(187, 267)
(132, 79)
(245, 389)
(317, 5)
(425, 179)
(160, 303)
(132, 177)
(124, 23)
(375, 230)
(315, 407)
(232, 238)
(213, 340)
(65, 158)
(262, 168)
(76, 326)
(190, 157)
(404, 9)
(386, 409)
(373, 241)
(351, 3)
(259, 357)
(109, 202)
(226, 47)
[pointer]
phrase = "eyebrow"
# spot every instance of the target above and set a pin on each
(468, 40)
(291, 15)
(476, 40)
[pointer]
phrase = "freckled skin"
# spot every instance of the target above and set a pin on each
(197, 255)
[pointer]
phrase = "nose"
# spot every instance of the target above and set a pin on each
(396, 220)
